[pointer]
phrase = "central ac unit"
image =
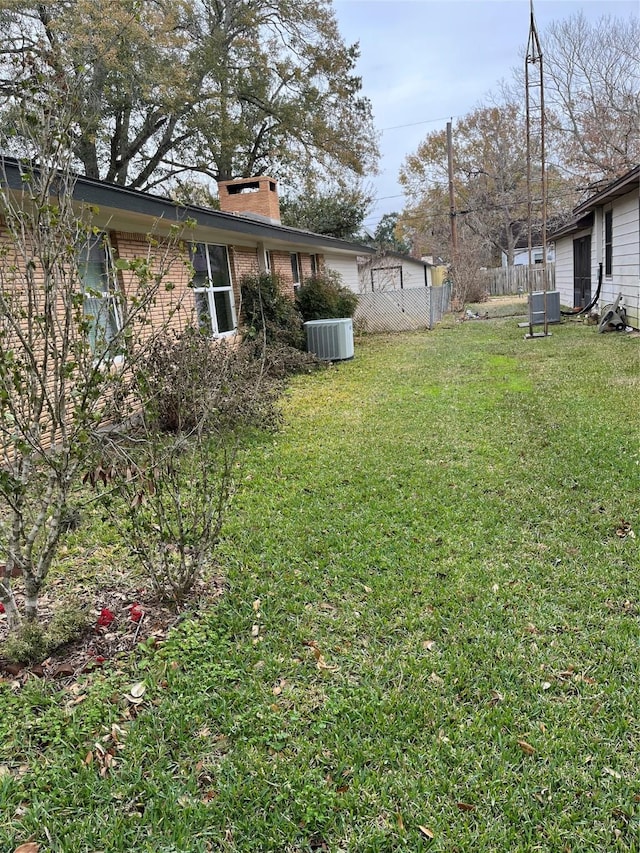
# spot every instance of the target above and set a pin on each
(537, 307)
(330, 340)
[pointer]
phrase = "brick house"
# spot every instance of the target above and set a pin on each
(244, 237)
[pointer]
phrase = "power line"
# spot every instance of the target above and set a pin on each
(417, 123)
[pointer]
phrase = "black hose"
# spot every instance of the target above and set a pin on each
(593, 301)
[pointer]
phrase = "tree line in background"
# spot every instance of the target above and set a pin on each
(169, 96)
(172, 93)
(592, 115)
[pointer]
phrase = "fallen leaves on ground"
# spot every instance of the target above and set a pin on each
(611, 772)
(624, 530)
(279, 687)
(136, 693)
(321, 663)
(104, 752)
(112, 633)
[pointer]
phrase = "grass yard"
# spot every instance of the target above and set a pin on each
(430, 638)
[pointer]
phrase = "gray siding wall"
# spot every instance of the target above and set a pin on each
(625, 272)
(346, 267)
(625, 277)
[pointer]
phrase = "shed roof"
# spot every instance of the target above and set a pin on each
(399, 256)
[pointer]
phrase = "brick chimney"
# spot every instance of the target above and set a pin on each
(251, 195)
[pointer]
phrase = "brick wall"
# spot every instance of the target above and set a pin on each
(307, 269)
(174, 304)
(243, 261)
(250, 195)
(281, 266)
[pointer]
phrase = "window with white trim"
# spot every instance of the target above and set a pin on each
(101, 294)
(212, 289)
(295, 270)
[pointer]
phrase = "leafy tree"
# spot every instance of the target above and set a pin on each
(338, 214)
(490, 176)
(592, 93)
(224, 88)
(425, 224)
(489, 172)
(386, 235)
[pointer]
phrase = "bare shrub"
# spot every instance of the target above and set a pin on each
(65, 330)
(188, 382)
(467, 282)
(174, 474)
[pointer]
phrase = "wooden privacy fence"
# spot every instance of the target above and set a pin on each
(402, 310)
(508, 280)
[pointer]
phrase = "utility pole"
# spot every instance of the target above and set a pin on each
(452, 198)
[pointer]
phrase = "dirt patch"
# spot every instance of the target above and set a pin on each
(118, 620)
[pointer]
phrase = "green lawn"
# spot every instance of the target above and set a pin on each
(430, 638)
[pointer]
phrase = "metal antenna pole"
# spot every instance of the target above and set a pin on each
(534, 58)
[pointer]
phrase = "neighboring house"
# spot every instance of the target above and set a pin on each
(392, 271)
(244, 237)
(521, 255)
(605, 230)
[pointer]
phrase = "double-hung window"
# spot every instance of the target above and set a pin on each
(211, 285)
(101, 303)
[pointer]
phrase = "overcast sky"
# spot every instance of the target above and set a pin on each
(426, 61)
